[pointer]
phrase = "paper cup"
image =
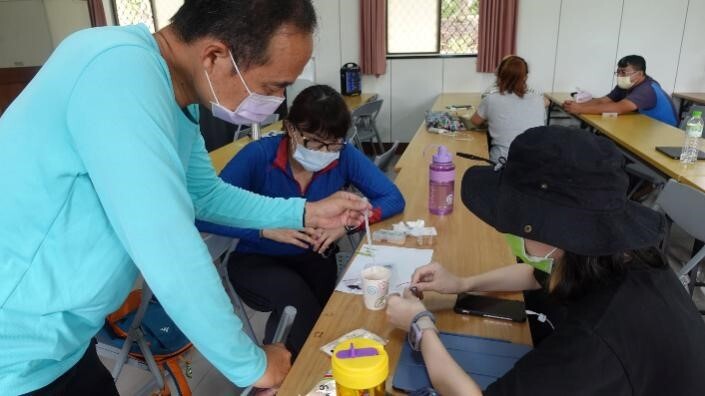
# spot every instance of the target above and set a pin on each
(375, 286)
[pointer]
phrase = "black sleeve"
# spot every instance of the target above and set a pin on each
(617, 94)
(573, 361)
(643, 96)
(541, 277)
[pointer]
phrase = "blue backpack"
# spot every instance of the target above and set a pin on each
(166, 342)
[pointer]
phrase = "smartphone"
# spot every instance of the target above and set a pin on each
(490, 307)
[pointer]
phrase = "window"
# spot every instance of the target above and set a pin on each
(130, 12)
(432, 27)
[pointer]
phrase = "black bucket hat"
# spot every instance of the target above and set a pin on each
(565, 187)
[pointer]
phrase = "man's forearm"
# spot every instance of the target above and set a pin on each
(606, 105)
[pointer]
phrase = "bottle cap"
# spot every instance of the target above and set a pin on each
(360, 363)
(443, 155)
(697, 113)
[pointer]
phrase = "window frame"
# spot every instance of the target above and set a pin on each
(113, 3)
(419, 55)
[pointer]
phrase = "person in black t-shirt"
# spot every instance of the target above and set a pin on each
(629, 328)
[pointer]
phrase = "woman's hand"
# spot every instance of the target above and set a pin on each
(433, 277)
(339, 210)
(401, 310)
(323, 238)
(301, 239)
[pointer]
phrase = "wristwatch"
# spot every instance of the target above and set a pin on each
(422, 321)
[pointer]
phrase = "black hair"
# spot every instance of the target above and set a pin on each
(575, 275)
(320, 110)
(246, 26)
(638, 63)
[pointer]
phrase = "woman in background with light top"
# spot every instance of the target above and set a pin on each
(510, 107)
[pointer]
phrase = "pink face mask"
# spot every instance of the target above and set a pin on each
(255, 108)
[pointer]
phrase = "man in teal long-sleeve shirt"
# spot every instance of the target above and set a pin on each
(103, 171)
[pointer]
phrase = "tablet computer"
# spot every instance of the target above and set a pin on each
(675, 152)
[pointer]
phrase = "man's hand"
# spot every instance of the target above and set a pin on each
(572, 107)
(278, 366)
(339, 210)
(325, 237)
(301, 239)
(401, 310)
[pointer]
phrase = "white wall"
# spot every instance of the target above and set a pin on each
(24, 34)
(65, 17)
(164, 10)
(690, 75)
(588, 35)
(654, 29)
(567, 43)
(537, 38)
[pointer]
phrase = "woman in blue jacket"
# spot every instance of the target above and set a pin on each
(270, 268)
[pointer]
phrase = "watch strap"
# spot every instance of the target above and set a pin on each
(416, 330)
(421, 315)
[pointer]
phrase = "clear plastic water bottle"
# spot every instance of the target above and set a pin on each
(441, 182)
(693, 131)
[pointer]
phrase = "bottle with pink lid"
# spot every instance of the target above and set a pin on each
(441, 182)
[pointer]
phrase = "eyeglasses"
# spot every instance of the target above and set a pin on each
(315, 144)
(623, 73)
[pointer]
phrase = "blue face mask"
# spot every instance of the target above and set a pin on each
(314, 160)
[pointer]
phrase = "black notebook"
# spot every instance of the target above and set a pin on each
(675, 152)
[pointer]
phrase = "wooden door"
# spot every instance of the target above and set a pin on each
(12, 82)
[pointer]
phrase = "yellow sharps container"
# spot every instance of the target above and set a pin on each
(360, 368)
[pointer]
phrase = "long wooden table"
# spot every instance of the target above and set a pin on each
(465, 245)
(466, 142)
(640, 135)
(221, 156)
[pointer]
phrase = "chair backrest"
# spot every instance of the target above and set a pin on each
(369, 109)
(352, 137)
(683, 205)
(690, 113)
(382, 161)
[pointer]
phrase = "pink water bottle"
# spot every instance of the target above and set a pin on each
(441, 182)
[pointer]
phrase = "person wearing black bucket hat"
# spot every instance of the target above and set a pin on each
(629, 326)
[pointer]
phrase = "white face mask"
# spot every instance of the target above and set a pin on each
(624, 82)
(255, 108)
(314, 160)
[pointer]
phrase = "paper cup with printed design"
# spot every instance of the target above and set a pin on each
(375, 286)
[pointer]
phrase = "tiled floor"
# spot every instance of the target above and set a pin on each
(207, 381)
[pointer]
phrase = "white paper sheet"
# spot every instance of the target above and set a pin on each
(403, 262)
